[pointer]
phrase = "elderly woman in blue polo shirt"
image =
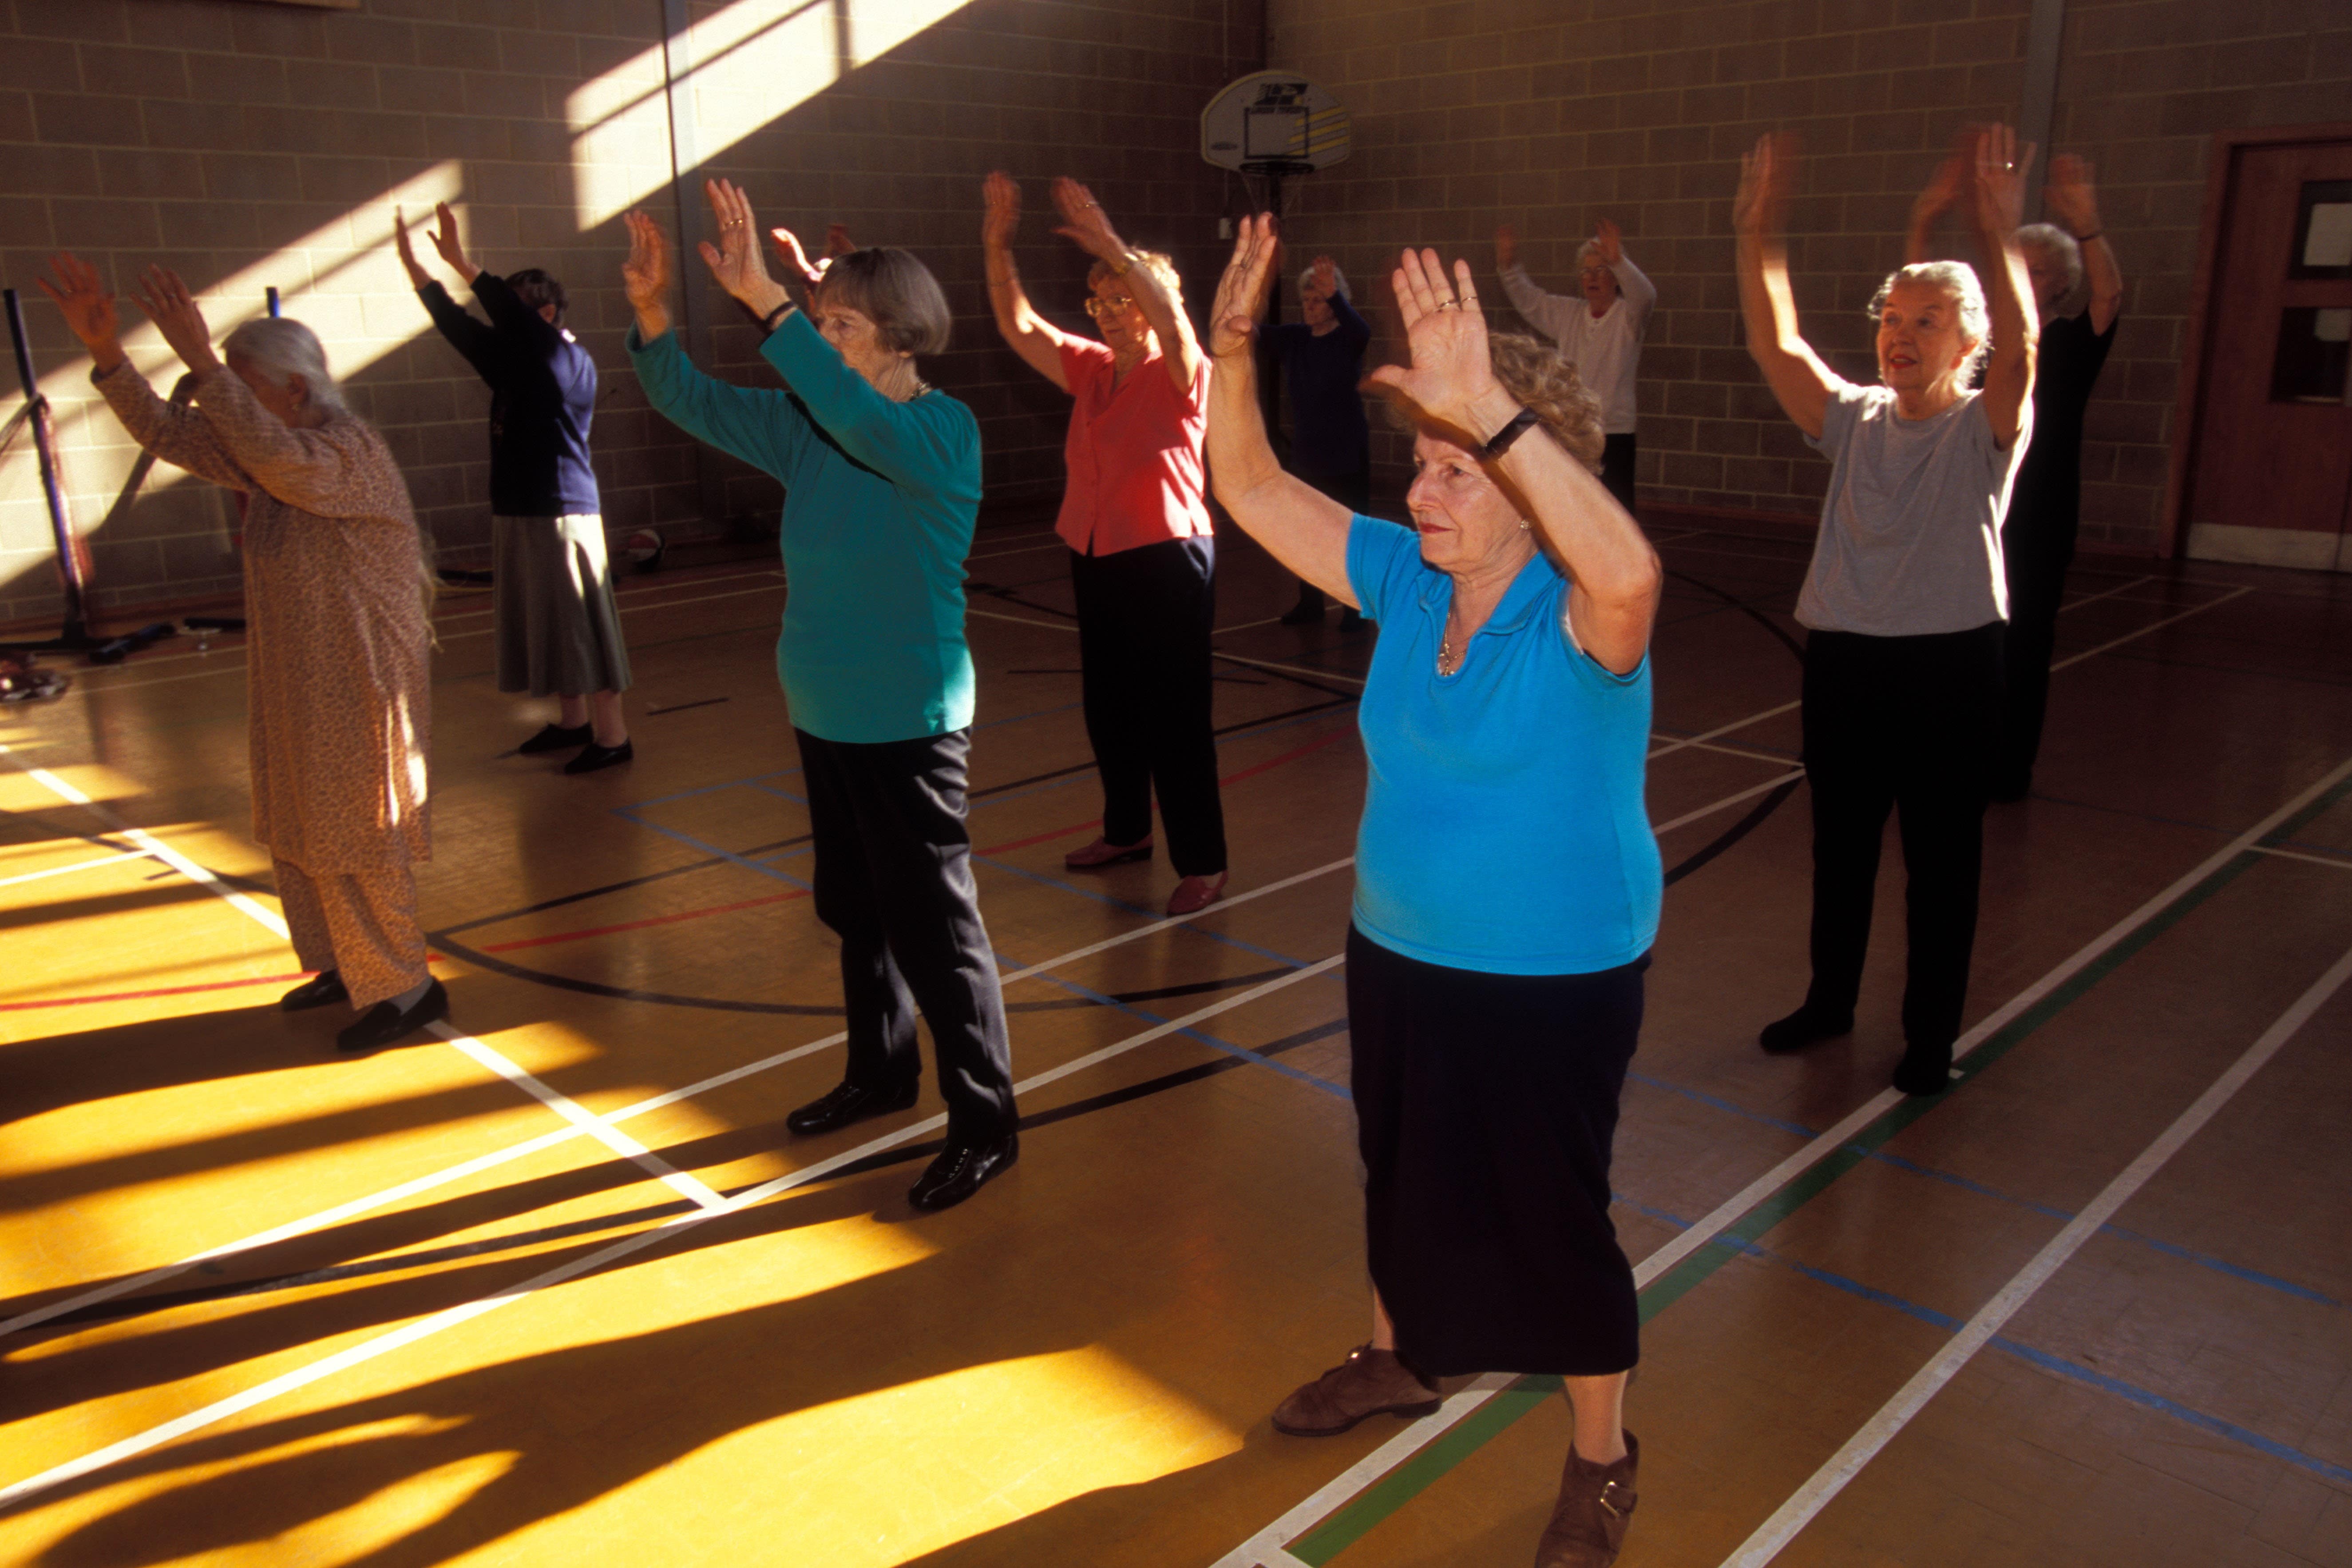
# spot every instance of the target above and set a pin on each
(1506, 880)
(881, 490)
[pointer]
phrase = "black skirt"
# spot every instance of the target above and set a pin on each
(1486, 1105)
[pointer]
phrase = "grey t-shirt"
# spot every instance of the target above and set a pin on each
(1910, 538)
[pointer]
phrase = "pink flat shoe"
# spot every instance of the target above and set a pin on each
(1194, 894)
(1102, 852)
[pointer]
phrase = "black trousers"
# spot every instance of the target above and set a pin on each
(2036, 551)
(1144, 619)
(1903, 724)
(1352, 490)
(894, 883)
(1617, 468)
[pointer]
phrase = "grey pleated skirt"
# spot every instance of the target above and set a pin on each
(558, 632)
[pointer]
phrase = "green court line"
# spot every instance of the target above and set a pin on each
(1349, 1524)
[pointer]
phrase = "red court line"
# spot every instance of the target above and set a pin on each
(640, 925)
(1290, 756)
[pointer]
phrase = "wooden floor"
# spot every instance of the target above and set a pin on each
(560, 1289)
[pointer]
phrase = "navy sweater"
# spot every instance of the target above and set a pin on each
(1330, 439)
(542, 397)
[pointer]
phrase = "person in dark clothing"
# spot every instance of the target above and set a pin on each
(1321, 360)
(557, 629)
(2078, 291)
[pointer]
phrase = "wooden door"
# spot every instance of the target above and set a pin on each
(2271, 478)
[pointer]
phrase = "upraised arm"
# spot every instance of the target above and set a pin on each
(1641, 294)
(1998, 206)
(1947, 188)
(1037, 340)
(1305, 530)
(1550, 314)
(1800, 381)
(2073, 202)
(1084, 220)
(1614, 577)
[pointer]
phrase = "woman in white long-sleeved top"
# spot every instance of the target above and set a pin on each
(1599, 330)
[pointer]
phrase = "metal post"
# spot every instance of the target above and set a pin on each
(270, 294)
(2045, 30)
(44, 443)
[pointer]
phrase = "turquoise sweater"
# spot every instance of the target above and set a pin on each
(879, 502)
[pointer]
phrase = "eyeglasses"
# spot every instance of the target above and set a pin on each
(1098, 306)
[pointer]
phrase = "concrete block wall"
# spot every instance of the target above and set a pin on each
(248, 145)
(1552, 114)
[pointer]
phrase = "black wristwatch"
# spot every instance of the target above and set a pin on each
(1521, 423)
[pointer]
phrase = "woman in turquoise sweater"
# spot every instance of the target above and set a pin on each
(881, 479)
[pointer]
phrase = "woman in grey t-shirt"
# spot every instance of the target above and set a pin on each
(1905, 603)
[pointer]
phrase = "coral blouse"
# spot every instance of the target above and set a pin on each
(1133, 453)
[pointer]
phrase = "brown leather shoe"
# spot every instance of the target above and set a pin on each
(1369, 1382)
(1596, 1503)
(1194, 894)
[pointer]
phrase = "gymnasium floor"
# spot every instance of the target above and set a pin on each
(560, 1289)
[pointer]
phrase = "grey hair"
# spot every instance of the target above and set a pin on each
(894, 290)
(1958, 280)
(280, 349)
(2051, 240)
(1338, 279)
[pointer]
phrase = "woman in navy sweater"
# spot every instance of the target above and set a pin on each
(1321, 360)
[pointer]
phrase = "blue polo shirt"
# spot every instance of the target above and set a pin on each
(1505, 828)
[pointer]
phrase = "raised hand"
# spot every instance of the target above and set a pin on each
(88, 307)
(1611, 240)
(1323, 278)
(1948, 185)
(1767, 177)
(735, 261)
(2070, 195)
(795, 259)
(1084, 221)
(176, 315)
(2000, 184)
(1003, 221)
(837, 243)
(1451, 374)
(1507, 248)
(417, 276)
(446, 241)
(1243, 292)
(646, 276)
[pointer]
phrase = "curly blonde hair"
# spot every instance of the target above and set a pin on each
(1533, 372)
(1161, 265)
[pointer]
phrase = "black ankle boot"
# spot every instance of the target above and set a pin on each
(1925, 1069)
(1808, 1026)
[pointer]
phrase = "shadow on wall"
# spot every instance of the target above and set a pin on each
(884, 114)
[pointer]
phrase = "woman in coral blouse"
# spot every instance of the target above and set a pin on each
(1134, 515)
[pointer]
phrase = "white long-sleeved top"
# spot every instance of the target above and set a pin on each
(1606, 350)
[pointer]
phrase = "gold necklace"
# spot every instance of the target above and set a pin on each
(1446, 651)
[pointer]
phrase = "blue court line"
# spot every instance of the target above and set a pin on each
(624, 811)
(2171, 1250)
(1231, 1049)
(2089, 1377)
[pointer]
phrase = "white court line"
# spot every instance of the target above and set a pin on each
(580, 1116)
(1021, 620)
(474, 1167)
(151, 844)
(2152, 626)
(1750, 792)
(1304, 669)
(1246, 626)
(1336, 1494)
(677, 585)
(2299, 855)
(450, 1318)
(633, 609)
(1793, 1515)
(2078, 658)
(77, 866)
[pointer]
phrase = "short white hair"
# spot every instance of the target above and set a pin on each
(280, 348)
(2055, 242)
(1338, 280)
(1958, 280)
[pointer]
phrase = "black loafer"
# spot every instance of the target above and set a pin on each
(594, 756)
(556, 738)
(962, 1170)
(1805, 1027)
(849, 1102)
(316, 992)
(384, 1023)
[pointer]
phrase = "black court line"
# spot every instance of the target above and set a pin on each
(140, 1306)
(682, 707)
